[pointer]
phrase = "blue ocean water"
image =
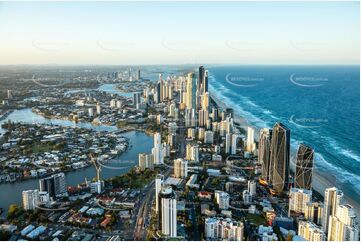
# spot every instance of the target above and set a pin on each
(320, 104)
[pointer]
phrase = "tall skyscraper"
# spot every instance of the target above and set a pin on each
(136, 99)
(191, 100)
(304, 166)
(333, 198)
(138, 75)
(251, 146)
(205, 82)
(157, 149)
(158, 186)
(202, 80)
(228, 144)
(280, 157)
(235, 138)
(201, 75)
(168, 212)
(264, 152)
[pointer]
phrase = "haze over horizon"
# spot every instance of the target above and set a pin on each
(173, 33)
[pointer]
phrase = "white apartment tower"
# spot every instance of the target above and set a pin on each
(30, 199)
(168, 212)
(251, 146)
(157, 149)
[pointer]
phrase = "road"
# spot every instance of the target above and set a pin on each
(144, 214)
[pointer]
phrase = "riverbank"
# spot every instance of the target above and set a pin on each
(321, 180)
(54, 148)
(139, 142)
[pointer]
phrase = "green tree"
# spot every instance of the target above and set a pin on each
(13, 208)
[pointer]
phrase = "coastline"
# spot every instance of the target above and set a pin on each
(320, 182)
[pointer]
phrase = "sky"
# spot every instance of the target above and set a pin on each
(127, 33)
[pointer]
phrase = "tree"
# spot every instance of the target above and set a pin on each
(13, 208)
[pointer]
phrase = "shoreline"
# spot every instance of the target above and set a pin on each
(320, 182)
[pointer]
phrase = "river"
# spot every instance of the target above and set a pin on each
(138, 142)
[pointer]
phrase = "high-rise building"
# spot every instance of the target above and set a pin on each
(214, 114)
(314, 212)
(192, 152)
(342, 225)
(99, 109)
(251, 146)
(252, 188)
(90, 112)
(304, 166)
(223, 229)
(205, 101)
(247, 197)
(157, 150)
(158, 186)
(202, 117)
(208, 137)
(222, 199)
(191, 101)
(201, 132)
(205, 82)
(118, 104)
(145, 161)
(180, 168)
(136, 99)
(235, 138)
(310, 231)
(168, 212)
(30, 199)
(333, 198)
(44, 198)
(55, 185)
(138, 75)
(97, 186)
(201, 77)
(264, 152)
(47, 185)
(10, 95)
(172, 128)
(280, 157)
(228, 144)
(159, 89)
(298, 200)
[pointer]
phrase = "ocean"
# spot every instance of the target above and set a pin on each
(320, 105)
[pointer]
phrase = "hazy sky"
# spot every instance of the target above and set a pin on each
(179, 33)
